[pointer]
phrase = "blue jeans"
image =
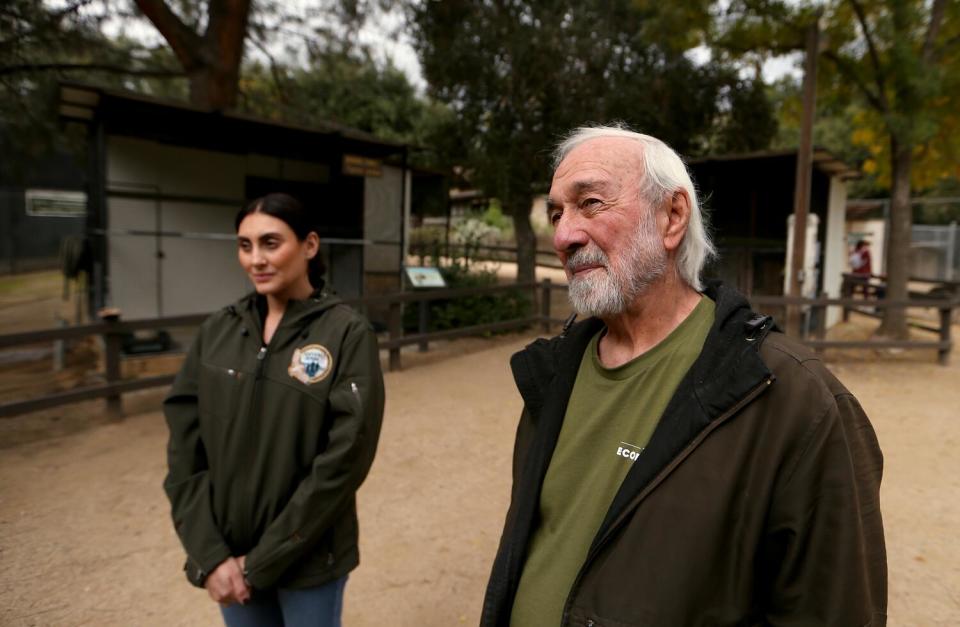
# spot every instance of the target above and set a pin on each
(307, 607)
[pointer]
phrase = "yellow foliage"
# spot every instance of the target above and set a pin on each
(863, 136)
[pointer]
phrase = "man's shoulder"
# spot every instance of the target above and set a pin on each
(798, 366)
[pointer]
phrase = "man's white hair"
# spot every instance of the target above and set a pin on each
(663, 174)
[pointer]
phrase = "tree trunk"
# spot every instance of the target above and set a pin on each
(211, 60)
(519, 209)
(214, 88)
(898, 242)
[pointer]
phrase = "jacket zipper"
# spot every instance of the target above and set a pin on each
(682, 455)
(254, 407)
(356, 395)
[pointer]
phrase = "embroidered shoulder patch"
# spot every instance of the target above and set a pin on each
(310, 363)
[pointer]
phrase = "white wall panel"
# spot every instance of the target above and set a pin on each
(200, 275)
(835, 248)
(174, 169)
(131, 259)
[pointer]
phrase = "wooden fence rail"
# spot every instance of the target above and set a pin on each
(546, 258)
(112, 331)
(818, 308)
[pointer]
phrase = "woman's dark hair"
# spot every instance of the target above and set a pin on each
(287, 208)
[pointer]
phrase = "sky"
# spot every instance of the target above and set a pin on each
(386, 36)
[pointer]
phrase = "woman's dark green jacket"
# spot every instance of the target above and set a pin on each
(268, 444)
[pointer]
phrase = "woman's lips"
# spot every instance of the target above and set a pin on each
(262, 278)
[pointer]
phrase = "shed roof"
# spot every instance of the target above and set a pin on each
(823, 160)
(177, 122)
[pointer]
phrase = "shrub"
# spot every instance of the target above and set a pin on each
(470, 310)
(495, 218)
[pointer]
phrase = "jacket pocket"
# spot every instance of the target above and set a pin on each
(219, 391)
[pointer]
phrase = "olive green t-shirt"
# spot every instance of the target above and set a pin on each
(609, 420)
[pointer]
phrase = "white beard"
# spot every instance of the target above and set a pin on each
(610, 289)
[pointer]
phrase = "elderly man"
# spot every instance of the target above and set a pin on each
(678, 461)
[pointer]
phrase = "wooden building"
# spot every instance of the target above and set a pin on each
(749, 201)
(166, 180)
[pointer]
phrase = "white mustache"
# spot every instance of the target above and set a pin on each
(592, 256)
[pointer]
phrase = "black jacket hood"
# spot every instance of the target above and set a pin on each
(535, 367)
(298, 313)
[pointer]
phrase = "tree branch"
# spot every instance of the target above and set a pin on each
(91, 67)
(274, 69)
(227, 29)
(185, 43)
(879, 76)
(933, 29)
(879, 102)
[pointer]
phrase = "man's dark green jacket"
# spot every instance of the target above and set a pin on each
(756, 501)
(268, 444)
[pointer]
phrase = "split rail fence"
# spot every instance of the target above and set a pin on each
(112, 330)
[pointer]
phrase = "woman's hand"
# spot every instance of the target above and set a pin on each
(226, 585)
(242, 563)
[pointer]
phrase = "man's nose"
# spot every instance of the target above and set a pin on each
(568, 234)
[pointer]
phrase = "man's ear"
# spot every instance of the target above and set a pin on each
(678, 218)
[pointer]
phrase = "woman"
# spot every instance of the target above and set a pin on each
(274, 420)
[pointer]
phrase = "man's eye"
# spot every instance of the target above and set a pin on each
(590, 203)
(244, 246)
(554, 217)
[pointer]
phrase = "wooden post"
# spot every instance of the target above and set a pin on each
(395, 331)
(943, 353)
(545, 295)
(59, 348)
(111, 356)
(846, 290)
(801, 193)
(424, 323)
(820, 319)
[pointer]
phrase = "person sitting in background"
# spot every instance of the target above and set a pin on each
(862, 268)
(860, 259)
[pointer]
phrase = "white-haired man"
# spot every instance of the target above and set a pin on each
(678, 461)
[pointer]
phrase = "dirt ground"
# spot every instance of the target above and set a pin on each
(85, 536)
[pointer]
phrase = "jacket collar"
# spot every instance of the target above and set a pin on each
(297, 315)
(734, 334)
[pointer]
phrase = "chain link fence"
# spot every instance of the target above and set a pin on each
(935, 252)
(30, 238)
